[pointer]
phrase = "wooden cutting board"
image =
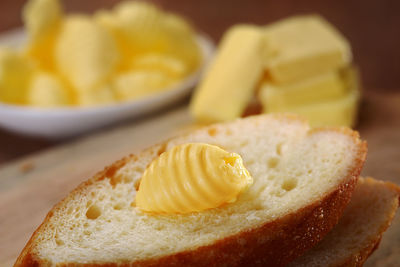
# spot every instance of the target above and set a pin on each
(29, 187)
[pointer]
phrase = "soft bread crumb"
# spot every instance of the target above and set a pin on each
(291, 168)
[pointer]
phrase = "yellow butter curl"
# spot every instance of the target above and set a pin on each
(42, 19)
(85, 53)
(15, 75)
(47, 90)
(141, 83)
(190, 178)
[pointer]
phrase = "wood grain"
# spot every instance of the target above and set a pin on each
(31, 186)
(380, 126)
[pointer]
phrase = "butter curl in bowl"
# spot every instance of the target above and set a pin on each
(75, 72)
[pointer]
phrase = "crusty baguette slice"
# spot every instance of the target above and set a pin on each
(303, 179)
(369, 213)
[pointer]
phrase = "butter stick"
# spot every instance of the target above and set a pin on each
(301, 47)
(230, 81)
(337, 111)
(324, 87)
(340, 112)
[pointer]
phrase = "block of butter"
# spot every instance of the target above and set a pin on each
(323, 87)
(231, 80)
(301, 47)
(340, 110)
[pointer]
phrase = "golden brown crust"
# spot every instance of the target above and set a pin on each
(357, 260)
(360, 251)
(273, 244)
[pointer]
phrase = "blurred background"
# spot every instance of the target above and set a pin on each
(30, 185)
(371, 26)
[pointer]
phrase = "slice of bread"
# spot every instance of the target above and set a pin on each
(303, 179)
(369, 213)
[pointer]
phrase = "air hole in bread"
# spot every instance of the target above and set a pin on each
(127, 179)
(258, 206)
(244, 143)
(279, 149)
(86, 232)
(159, 227)
(119, 206)
(137, 184)
(289, 184)
(59, 242)
(271, 177)
(277, 193)
(272, 162)
(212, 131)
(70, 210)
(88, 204)
(77, 215)
(228, 132)
(138, 169)
(93, 212)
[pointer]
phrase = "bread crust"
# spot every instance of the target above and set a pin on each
(358, 260)
(274, 243)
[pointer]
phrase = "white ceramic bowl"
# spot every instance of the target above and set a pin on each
(56, 123)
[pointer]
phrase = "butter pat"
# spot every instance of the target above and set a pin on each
(340, 110)
(42, 19)
(41, 16)
(140, 83)
(170, 65)
(303, 46)
(98, 96)
(324, 87)
(230, 81)
(15, 75)
(46, 90)
(85, 53)
(190, 178)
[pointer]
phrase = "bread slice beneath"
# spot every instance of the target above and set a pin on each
(369, 213)
(303, 179)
